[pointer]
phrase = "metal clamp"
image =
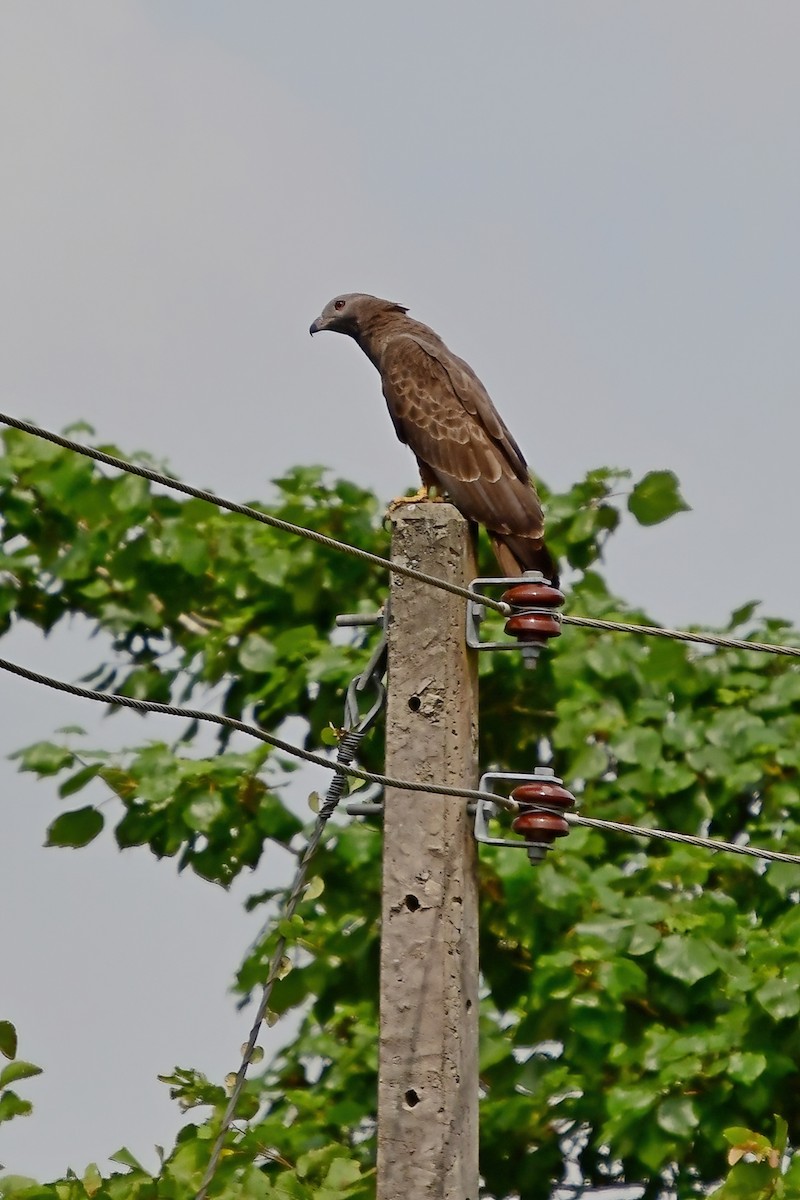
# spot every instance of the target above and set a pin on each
(541, 819)
(532, 621)
(476, 613)
(371, 679)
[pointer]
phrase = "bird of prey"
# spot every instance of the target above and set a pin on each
(443, 412)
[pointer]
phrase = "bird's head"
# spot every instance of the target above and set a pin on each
(352, 312)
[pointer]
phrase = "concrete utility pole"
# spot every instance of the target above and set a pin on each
(428, 1073)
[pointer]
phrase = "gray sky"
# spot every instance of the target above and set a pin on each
(596, 205)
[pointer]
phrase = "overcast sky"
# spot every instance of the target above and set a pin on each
(595, 204)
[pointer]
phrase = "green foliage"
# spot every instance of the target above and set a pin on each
(758, 1167)
(191, 599)
(643, 994)
(214, 814)
(11, 1104)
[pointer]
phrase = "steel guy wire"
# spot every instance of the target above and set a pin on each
(245, 510)
(434, 789)
(345, 754)
(357, 725)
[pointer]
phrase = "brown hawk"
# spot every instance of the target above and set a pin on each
(443, 412)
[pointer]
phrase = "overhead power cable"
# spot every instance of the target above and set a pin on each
(195, 714)
(245, 510)
(688, 839)
(681, 635)
(436, 789)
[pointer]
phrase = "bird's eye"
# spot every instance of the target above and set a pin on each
(338, 304)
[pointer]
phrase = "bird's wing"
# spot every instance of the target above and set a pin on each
(476, 400)
(442, 411)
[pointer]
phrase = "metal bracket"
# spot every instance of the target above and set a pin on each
(367, 801)
(485, 810)
(354, 620)
(370, 677)
(476, 613)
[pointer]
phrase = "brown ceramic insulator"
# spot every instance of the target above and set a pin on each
(540, 826)
(537, 625)
(533, 595)
(533, 626)
(543, 791)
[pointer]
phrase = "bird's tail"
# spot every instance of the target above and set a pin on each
(517, 554)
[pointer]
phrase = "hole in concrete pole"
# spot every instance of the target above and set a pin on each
(412, 1098)
(415, 703)
(412, 903)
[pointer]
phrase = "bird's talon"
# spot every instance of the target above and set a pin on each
(419, 497)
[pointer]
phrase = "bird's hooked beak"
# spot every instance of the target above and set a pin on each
(315, 326)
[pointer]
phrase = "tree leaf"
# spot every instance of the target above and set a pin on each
(257, 654)
(44, 758)
(76, 828)
(204, 810)
(677, 1115)
(124, 1157)
(130, 491)
(314, 888)
(656, 497)
(8, 1039)
(92, 1179)
(747, 1067)
(687, 958)
(780, 998)
(18, 1070)
(12, 1105)
(79, 780)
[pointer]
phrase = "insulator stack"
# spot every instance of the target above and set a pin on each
(541, 820)
(536, 619)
